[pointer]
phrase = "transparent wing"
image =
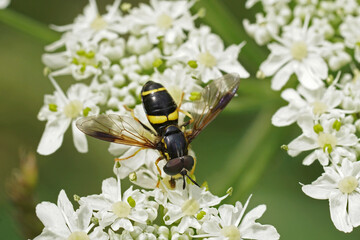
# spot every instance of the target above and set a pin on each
(117, 129)
(214, 98)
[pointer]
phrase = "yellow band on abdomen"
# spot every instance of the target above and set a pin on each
(152, 91)
(156, 119)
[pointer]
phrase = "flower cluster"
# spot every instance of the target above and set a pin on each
(317, 43)
(133, 214)
(110, 56)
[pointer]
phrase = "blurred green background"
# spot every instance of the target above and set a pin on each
(239, 149)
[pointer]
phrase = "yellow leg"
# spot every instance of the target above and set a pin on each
(193, 169)
(181, 100)
(132, 155)
(189, 115)
(157, 166)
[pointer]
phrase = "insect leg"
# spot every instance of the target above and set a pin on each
(133, 115)
(189, 115)
(132, 155)
(157, 166)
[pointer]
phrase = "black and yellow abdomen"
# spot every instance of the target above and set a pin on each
(160, 107)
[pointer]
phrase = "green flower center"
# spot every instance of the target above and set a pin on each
(98, 23)
(348, 184)
(207, 59)
(73, 109)
(121, 209)
(231, 233)
(78, 236)
(190, 207)
(299, 50)
(319, 107)
(327, 141)
(164, 21)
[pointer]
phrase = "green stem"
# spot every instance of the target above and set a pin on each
(260, 159)
(243, 151)
(28, 26)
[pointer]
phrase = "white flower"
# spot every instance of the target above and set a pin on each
(234, 224)
(298, 51)
(4, 3)
(63, 223)
(351, 33)
(207, 50)
(303, 102)
(177, 81)
(263, 30)
(190, 205)
(117, 209)
(61, 111)
(81, 59)
(168, 19)
(328, 137)
(351, 90)
(91, 26)
(335, 55)
(341, 186)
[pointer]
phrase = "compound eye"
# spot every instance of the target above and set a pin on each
(173, 166)
(188, 163)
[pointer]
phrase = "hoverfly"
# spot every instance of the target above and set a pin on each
(169, 138)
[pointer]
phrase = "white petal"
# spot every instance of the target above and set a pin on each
(273, 63)
(226, 213)
(282, 76)
(84, 214)
(317, 192)
(285, 116)
(252, 216)
(97, 202)
(212, 227)
(138, 215)
(302, 143)
(309, 159)
(347, 140)
(122, 223)
(79, 139)
(51, 216)
(339, 216)
(53, 136)
(307, 78)
(98, 234)
(55, 60)
(49, 234)
(259, 231)
(354, 208)
(67, 209)
(110, 189)
(187, 222)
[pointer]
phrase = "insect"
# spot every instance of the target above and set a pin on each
(169, 138)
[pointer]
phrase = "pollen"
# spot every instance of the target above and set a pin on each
(78, 236)
(73, 109)
(98, 24)
(348, 184)
(299, 50)
(190, 207)
(121, 209)
(231, 233)
(207, 59)
(319, 108)
(327, 141)
(164, 21)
